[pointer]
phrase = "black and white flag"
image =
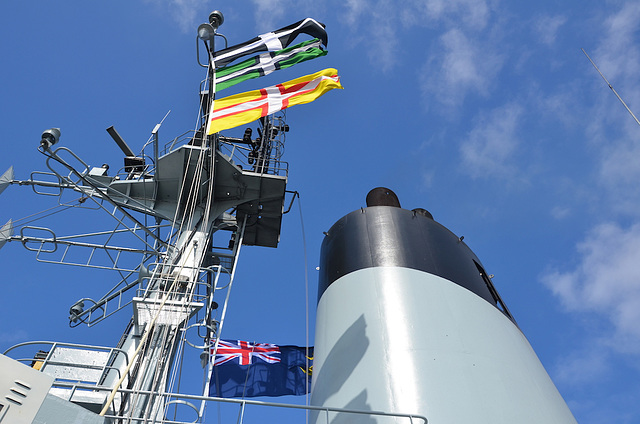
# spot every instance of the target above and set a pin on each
(271, 41)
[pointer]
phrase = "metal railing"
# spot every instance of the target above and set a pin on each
(54, 360)
(240, 156)
(184, 399)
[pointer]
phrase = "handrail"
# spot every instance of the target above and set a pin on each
(241, 402)
(77, 345)
(111, 351)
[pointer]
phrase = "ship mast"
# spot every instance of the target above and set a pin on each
(166, 310)
(198, 186)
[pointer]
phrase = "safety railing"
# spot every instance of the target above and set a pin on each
(324, 414)
(72, 361)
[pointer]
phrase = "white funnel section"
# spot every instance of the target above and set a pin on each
(401, 340)
(409, 322)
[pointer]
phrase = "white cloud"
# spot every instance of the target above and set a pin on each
(560, 213)
(582, 367)
(355, 8)
(386, 19)
(618, 57)
(547, 27)
(461, 62)
(384, 41)
(269, 12)
(463, 65)
(13, 337)
(492, 143)
(616, 53)
(606, 282)
(188, 14)
(620, 172)
(472, 14)
(379, 34)
(426, 179)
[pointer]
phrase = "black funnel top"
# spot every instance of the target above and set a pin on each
(380, 236)
(382, 196)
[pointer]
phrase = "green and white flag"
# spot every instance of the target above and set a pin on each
(266, 63)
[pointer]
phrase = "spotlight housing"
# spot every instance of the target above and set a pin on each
(206, 32)
(216, 19)
(50, 137)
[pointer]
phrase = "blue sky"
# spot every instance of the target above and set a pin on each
(486, 113)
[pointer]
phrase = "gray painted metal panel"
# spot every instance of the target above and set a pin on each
(171, 313)
(22, 391)
(402, 340)
(76, 364)
(56, 410)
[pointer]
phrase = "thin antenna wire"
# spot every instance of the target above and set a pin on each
(611, 87)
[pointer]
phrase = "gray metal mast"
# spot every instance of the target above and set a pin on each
(199, 185)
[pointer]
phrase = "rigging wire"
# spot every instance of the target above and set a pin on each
(306, 301)
(34, 216)
(143, 339)
(177, 342)
(307, 320)
(196, 277)
(186, 221)
(191, 205)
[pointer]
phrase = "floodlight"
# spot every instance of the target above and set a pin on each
(206, 32)
(216, 19)
(50, 137)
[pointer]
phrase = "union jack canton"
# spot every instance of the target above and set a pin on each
(244, 352)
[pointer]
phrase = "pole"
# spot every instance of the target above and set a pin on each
(611, 87)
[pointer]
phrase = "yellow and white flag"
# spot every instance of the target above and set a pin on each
(240, 109)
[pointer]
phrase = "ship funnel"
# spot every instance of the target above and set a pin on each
(409, 321)
(382, 196)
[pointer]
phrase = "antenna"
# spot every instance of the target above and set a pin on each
(611, 87)
(120, 142)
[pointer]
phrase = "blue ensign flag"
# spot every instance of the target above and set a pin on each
(246, 369)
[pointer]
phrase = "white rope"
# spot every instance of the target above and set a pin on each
(306, 303)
